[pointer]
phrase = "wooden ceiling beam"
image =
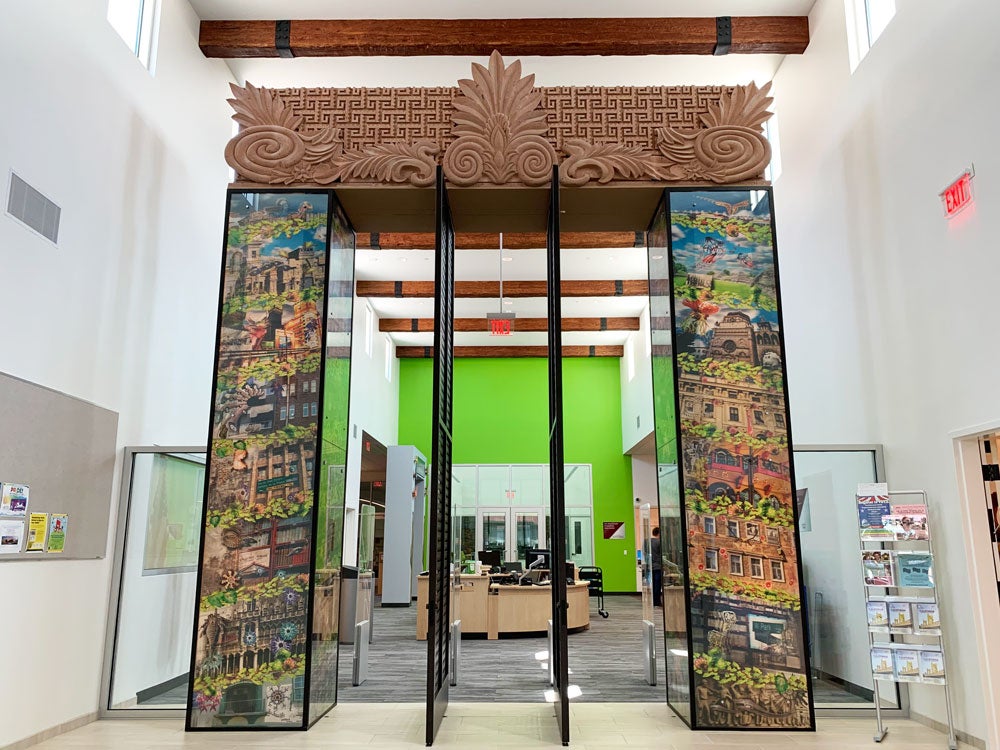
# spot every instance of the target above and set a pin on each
(521, 325)
(490, 289)
(491, 240)
(427, 352)
(478, 37)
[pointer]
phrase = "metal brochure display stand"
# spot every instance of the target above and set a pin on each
(869, 545)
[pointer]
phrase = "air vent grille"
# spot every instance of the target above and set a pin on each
(33, 209)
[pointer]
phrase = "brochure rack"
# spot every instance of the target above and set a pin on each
(929, 644)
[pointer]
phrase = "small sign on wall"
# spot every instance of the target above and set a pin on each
(614, 529)
(958, 195)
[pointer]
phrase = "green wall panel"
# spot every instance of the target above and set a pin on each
(501, 410)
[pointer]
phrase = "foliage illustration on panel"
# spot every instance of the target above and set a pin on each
(252, 629)
(748, 653)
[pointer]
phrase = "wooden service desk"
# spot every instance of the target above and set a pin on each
(494, 609)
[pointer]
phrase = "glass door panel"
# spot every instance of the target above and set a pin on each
(526, 532)
(493, 531)
(579, 539)
(465, 529)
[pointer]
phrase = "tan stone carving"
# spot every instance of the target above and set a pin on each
(499, 129)
(270, 149)
(495, 128)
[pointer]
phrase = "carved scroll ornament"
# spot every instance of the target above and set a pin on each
(501, 132)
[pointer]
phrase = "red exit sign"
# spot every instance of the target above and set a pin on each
(958, 195)
(500, 324)
(500, 327)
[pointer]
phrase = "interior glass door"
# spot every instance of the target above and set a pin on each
(527, 532)
(493, 532)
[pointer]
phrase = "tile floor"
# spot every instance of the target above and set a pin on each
(481, 726)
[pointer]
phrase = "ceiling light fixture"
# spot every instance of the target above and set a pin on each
(501, 323)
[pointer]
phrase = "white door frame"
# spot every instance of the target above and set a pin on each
(982, 574)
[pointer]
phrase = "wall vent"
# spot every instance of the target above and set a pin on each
(33, 209)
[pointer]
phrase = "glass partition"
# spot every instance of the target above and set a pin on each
(158, 562)
(827, 478)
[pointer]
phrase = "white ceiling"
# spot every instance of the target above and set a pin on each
(527, 265)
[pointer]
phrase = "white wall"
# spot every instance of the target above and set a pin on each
(637, 392)
(889, 308)
(120, 313)
(374, 409)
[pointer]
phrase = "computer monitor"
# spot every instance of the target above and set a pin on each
(491, 557)
(538, 559)
(513, 567)
(570, 572)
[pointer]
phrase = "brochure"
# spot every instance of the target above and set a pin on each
(38, 525)
(916, 570)
(900, 618)
(882, 664)
(11, 536)
(932, 667)
(13, 500)
(877, 566)
(907, 665)
(878, 617)
(57, 532)
(907, 523)
(873, 503)
(928, 620)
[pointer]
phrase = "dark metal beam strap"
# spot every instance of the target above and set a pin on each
(723, 35)
(283, 38)
(619, 288)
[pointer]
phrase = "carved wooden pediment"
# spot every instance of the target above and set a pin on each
(497, 128)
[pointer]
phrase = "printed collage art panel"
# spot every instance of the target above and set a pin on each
(748, 647)
(251, 647)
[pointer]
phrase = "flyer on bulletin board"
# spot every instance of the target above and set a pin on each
(57, 532)
(38, 525)
(14, 500)
(11, 536)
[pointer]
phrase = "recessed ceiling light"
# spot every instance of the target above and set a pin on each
(403, 260)
(507, 260)
(657, 257)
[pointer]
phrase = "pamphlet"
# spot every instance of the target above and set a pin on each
(928, 620)
(38, 525)
(900, 618)
(873, 503)
(907, 523)
(932, 667)
(14, 500)
(882, 664)
(878, 617)
(57, 532)
(11, 536)
(907, 665)
(877, 566)
(916, 570)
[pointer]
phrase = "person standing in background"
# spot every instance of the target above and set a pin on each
(657, 563)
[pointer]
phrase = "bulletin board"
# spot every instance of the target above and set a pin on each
(64, 449)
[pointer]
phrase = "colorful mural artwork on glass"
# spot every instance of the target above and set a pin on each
(747, 645)
(251, 639)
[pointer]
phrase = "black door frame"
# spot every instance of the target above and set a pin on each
(439, 527)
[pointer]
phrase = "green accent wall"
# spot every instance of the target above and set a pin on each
(501, 413)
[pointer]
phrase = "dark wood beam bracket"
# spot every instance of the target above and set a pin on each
(491, 240)
(520, 289)
(427, 352)
(521, 325)
(478, 37)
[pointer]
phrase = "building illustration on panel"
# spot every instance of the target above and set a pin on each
(749, 651)
(250, 661)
